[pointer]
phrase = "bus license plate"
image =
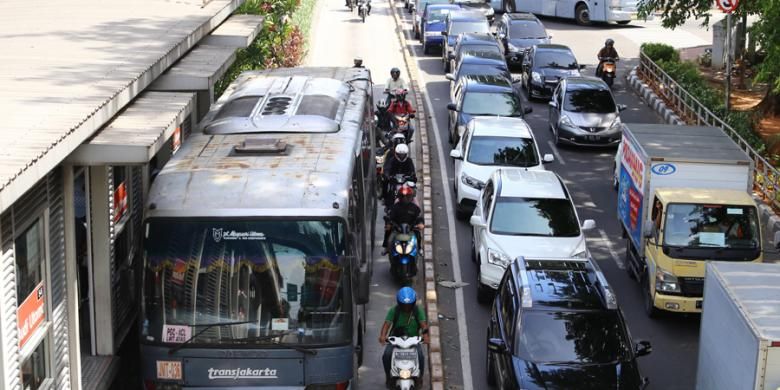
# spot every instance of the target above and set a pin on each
(168, 370)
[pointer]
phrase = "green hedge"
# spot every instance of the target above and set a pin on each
(687, 75)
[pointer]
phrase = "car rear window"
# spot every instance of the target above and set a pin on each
(595, 101)
(526, 29)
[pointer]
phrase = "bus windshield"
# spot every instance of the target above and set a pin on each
(286, 278)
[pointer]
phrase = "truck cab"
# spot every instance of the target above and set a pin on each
(686, 228)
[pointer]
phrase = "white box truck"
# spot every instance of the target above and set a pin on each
(683, 198)
(739, 342)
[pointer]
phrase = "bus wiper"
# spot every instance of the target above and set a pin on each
(271, 337)
(205, 328)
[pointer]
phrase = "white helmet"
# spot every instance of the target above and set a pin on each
(402, 151)
(399, 137)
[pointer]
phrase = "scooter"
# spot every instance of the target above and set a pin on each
(403, 253)
(404, 366)
(362, 9)
(608, 70)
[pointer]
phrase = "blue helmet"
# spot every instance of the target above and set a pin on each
(406, 296)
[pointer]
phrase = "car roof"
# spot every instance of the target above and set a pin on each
(552, 46)
(490, 126)
(585, 82)
(481, 56)
(487, 83)
(466, 16)
(521, 16)
(442, 6)
(568, 284)
(476, 38)
(522, 183)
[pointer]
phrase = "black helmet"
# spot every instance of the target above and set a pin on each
(609, 42)
(395, 72)
(358, 61)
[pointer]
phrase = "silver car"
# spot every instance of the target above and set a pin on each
(583, 112)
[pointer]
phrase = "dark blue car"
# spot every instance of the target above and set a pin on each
(432, 24)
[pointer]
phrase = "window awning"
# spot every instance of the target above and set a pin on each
(138, 133)
(198, 70)
(237, 31)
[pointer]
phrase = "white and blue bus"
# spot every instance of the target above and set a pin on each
(584, 12)
(258, 238)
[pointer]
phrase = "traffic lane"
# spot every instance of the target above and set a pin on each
(337, 38)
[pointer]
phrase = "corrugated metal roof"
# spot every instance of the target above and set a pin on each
(138, 133)
(67, 68)
(238, 31)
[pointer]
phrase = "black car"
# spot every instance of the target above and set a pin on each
(555, 324)
(482, 96)
(517, 33)
(472, 42)
(460, 22)
(545, 65)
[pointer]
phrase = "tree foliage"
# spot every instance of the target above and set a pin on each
(765, 31)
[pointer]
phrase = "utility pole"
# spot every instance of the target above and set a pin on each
(728, 61)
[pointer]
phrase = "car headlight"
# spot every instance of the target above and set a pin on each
(665, 281)
(471, 182)
(536, 77)
(399, 249)
(616, 124)
(498, 258)
(581, 252)
(405, 374)
(566, 121)
(433, 33)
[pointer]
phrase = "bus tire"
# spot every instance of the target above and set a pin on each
(361, 348)
(582, 14)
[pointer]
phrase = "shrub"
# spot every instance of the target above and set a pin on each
(660, 52)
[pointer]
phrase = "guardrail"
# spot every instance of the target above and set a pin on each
(766, 178)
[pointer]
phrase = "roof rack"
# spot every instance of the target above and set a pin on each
(564, 264)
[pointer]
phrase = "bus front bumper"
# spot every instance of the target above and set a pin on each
(677, 304)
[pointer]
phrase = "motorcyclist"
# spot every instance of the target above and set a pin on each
(397, 163)
(404, 319)
(393, 83)
(400, 106)
(403, 212)
(358, 63)
(368, 6)
(608, 51)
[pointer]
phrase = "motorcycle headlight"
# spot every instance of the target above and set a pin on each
(665, 281)
(536, 77)
(566, 121)
(399, 248)
(498, 258)
(471, 182)
(405, 374)
(409, 248)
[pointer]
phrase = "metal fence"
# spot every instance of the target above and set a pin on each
(690, 110)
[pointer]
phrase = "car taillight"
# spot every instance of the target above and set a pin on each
(342, 386)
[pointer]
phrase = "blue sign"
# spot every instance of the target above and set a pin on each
(664, 169)
(630, 205)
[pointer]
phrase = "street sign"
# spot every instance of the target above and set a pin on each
(727, 6)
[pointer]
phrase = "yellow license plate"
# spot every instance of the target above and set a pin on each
(169, 370)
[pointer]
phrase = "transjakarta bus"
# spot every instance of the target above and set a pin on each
(582, 11)
(258, 235)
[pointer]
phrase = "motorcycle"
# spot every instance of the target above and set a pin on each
(608, 70)
(394, 184)
(404, 365)
(362, 9)
(351, 5)
(403, 253)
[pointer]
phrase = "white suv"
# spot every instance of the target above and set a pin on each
(487, 144)
(523, 213)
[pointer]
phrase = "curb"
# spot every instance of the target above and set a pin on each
(436, 368)
(653, 101)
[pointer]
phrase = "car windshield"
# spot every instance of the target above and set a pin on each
(468, 27)
(534, 217)
(588, 100)
(437, 14)
(526, 29)
(572, 337)
(558, 59)
(270, 276)
(483, 70)
(504, 151)
(711, 226)
(486, 103)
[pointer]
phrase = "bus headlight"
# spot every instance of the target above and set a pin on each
(405, 374)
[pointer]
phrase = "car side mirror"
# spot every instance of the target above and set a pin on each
(582, 67)
(451, 56)
(476, 221)
(444, 33)
(548, 158)
(621, 107)
(497, 345)
(452, 107)
(553, 104)
(449, 76)
(588, 224)
(527, 109)
(456, 154)
(643, 348)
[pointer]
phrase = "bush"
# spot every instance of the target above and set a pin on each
(660, 52)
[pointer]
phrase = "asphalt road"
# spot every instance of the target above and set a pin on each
(587, 173)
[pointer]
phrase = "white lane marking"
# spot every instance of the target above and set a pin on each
(465, 356)
(555, 152)
(612, 253)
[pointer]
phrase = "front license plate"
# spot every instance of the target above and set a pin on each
(594, 138)
(698, 304)
(169, 370)
(405, 355)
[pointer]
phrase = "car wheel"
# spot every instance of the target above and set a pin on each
(461, 214)
(650, 309)
(490, 370)
(426, 49)
(582, 15)
(556, 137)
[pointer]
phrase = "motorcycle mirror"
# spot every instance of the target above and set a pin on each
(456, 154)
(527, 110)
(621, 107)
(476, 221)
(449, 76)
